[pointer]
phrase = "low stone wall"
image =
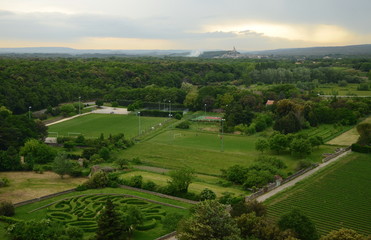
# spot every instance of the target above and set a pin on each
(167, 236)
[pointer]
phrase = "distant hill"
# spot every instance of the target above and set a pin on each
(352, 50)
(62, 51)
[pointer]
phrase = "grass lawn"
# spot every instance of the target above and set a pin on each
(92, 125)
(199, 183)
(337, 196)
(23, 212)
(176, 148)
(349, 137)
(29, 185)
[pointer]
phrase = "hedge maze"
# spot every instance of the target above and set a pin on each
(82, 211)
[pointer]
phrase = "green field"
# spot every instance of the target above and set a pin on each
(199, 183)
(338, 196)
(69, 210)
(92, 125)
(332, 88)
(175, 148)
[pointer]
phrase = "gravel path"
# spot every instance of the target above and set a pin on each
(264, 197)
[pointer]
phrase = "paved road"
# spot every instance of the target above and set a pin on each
(264, 197)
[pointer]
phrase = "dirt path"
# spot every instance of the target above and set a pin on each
(66, 119)
(264, 197)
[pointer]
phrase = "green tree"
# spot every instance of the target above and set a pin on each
(37, 152)
(207, 194)
(209, 221)
(300, 147)
(364, 130)
(110, 224)
(62, 165)
(180, 179)
(99, 103)
(278, 142)
(303, 227)
(343, 234)
(67, 110)
(171, 221)
(261, 145)
(122, 163)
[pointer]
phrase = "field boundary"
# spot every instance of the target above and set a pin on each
(43, 197)
(265, 192)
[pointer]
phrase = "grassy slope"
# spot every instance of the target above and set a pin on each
(23, 211)
(338, 196)
(93, 125)
(200, 182)
(349, 137)
(202, 151)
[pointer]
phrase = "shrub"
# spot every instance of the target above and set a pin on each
(361, 148)
(98, 180)
(6, 209)
(4, 182)
(136, 181)
(171, 220)
(183, 125)
(149, 185)
(207, 194)
(178, 116)
(302, 164)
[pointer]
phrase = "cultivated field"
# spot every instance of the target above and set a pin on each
(349, 137)
(338, 196)
(92, 125)
(29, 185)
(68, 209)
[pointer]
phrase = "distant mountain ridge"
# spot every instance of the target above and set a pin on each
(364, 49)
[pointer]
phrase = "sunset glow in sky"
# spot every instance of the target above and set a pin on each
(186, 24)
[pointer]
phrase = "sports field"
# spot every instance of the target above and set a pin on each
(338, 196)
(92, 125)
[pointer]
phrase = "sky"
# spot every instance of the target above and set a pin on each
(184, 24)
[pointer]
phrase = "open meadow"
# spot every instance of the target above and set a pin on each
(28, 185)
(92, 125)
(335, 89)
(335, 197)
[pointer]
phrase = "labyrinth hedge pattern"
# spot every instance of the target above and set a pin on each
(82, 211)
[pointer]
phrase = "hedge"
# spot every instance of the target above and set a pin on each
(361, 148)
(157, 113)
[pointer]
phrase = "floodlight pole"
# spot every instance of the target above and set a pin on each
(29, 112)
(222, 142)
(138, 123)
(169, 108)
(79, 105)
(205, 109)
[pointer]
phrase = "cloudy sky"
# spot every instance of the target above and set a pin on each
(184, 24)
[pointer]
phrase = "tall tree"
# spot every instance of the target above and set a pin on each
(62, 165)
(303, 227)
(180, 179)
(209, 221)
(110, 225)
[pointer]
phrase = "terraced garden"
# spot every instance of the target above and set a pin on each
(326, 131)
(338, 196)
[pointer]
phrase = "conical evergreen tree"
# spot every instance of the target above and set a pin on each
(109, 223)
